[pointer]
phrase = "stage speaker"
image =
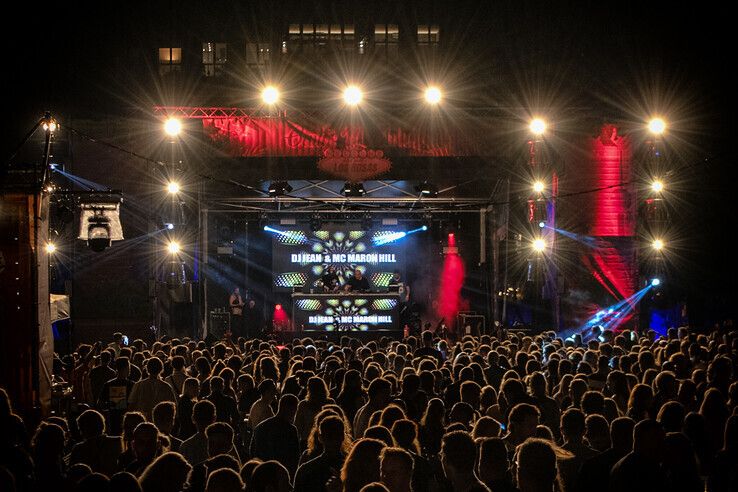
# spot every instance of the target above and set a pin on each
(219, 323)
(180, 293)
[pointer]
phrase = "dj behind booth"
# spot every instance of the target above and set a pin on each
(352, 307)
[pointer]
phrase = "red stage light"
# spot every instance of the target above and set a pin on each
(451, 239)
(278, 307)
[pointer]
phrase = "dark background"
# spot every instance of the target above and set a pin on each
(626, 59)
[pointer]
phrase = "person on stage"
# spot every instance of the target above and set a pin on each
(397, 285)
(236, 305)
(358, 283)
(330, 280)
(254, 320)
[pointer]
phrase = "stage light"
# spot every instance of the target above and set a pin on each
(352, 95)
(657, 126)
(538, 186)
(279, 188)
(542, 224)
(50, 248)
(353, 189)
(169, 226)
(270, 95)
(99, 220)
(173, 187)
(172, 127)
(538, 126)
(50, 125)
(173, 247)
(427, 190)
(657, 186)
(657, 244)
(424, 228)
(539, 245)
(433, 95)
(655, 282)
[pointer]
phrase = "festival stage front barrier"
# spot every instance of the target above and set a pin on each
(346, 312)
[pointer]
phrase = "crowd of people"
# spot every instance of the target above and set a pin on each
(517, 412)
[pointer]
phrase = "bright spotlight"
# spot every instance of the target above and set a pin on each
(657, 186)
(270, 95)
(657, 244)
(425, 228)
(538, 126)
(50, 126)
(539, 245)
(657, 126)
(352, 95)
(169, 226)
(541, 224)
(173, 187)
(538, 186)
(655, 282)
(50, 248)
(173, 247)
(433, 95)
(173, 127)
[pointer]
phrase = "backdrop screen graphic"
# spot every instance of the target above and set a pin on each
(301, 256)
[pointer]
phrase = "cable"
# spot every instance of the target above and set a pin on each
(23, 142)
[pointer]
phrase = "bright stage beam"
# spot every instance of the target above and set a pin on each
(539, 245)
(270, 95)
(538, 126)
(657, 126)
(433, 95)
(172, 127)
(396, 236)
(352, 95)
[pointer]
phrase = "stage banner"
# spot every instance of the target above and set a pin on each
(345, 312)
(300, 256)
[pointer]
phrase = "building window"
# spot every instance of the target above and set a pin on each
(311, 38)
(387, 40)
(258, 53)
(214, 58)
(170, 60)
(428, 35)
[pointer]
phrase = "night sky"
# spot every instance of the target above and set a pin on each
(623, 57)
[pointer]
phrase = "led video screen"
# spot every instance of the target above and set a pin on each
(300, 256)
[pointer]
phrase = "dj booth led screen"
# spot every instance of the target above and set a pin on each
(301, 256)
(345, 312)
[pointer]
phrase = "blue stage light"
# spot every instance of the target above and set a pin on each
(655, 282)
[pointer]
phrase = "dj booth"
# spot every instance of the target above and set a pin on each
(346, 312)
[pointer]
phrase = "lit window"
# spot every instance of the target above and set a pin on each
(214, 58)
(428, 35)
(258, 53)
(170, 60)
(316, 37)
(386, 40)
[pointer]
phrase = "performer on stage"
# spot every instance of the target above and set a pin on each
(330, 280)
(358, 283)
(254, 320)
(236, 304)
(397, 285)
